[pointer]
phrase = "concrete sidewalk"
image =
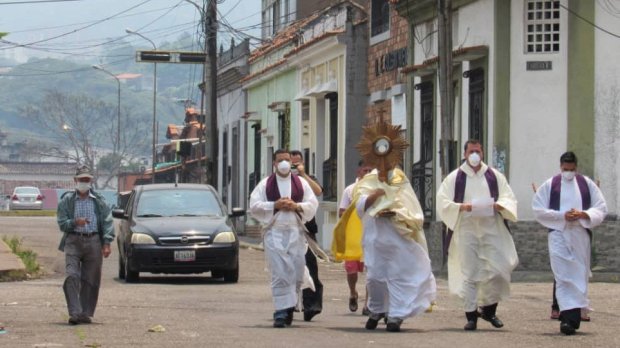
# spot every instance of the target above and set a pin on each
(8, 260)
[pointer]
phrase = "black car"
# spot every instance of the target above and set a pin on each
(177, 228)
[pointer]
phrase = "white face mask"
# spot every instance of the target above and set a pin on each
(474, 159)
(568, 175)
(83, 187)
(284, 167)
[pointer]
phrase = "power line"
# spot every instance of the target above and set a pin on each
(589, 22)
(79, 29)
(33, 2)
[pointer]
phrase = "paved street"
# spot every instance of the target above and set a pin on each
(199, 312)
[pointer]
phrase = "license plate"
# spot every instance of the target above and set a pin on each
(184, 255)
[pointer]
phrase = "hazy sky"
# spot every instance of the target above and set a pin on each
(81, 27)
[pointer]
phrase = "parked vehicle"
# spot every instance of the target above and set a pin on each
(177, 228)
(26, 197)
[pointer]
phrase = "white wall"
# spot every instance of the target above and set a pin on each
(537, 111)
(231, 107)
(607, 108)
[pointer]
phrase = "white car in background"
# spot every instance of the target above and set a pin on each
(26, 197)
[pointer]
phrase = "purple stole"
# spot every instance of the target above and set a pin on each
(459, 195)
(273, 194)
(556, 188)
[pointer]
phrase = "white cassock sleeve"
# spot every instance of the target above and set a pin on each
(260, 208)
(598, 207)
(506, 198)
(549, 218)
(448, 210)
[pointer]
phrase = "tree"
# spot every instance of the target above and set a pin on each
(86, 129)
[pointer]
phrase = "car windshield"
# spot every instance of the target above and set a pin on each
(26, 191)
(178, 203)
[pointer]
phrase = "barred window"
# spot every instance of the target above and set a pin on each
(542, 26)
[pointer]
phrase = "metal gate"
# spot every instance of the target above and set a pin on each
(422, 171)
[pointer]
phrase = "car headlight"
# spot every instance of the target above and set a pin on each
(224, 237)
(141, 238)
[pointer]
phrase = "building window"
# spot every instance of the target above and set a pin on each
(379, 20)
(276, 16)
(542, 26)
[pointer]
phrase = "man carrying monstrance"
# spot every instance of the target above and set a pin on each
(399, 276)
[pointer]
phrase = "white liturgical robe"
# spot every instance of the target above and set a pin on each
(569, 242)
(482, 254)
(399, 277)
(283, 238)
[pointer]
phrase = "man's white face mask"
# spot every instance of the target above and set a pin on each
(474, 159)
(284, 167)
(82, 187)
(568, 175)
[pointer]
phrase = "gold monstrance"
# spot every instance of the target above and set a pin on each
(382, 147)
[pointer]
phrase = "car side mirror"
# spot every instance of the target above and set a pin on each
(119, 214)
(237, 212)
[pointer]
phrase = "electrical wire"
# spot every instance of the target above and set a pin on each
(589, 22)
(33, 2)
(78, 29)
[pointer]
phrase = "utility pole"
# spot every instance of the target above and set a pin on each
(211, 91)
(446, 88)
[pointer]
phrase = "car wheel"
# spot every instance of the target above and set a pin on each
(232, 276)
(130, 276)
(121, 268)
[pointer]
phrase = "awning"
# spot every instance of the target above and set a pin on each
(320, 90)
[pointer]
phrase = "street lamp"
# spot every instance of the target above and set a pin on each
(131, 32)
(118, 109)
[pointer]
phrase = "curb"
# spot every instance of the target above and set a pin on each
(249, 245)
(8, 261)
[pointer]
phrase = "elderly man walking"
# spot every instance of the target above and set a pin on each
(86, 222)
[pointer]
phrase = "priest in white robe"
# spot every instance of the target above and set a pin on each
(400, 282)
(474, 201)
(570, 205)
(283, 202)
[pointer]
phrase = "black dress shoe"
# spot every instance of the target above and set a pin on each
(494, 320)
(309, 314)
(373, 320)
(567, 329)
(289, 316)
(471, 325)
(73, 321)
(393, 324)
(279, 322)
(472, 320)
(84, 319)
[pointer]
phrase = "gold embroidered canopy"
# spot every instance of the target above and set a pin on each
(382, 147)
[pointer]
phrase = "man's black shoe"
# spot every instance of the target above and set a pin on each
(494, 320)
(393, 324)
(279, 322)
(373, 320)
(309, 314)
(289, 316)
(470, 326)
(472, 320)
(567, 329)
(83, 319)
(73, 321)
